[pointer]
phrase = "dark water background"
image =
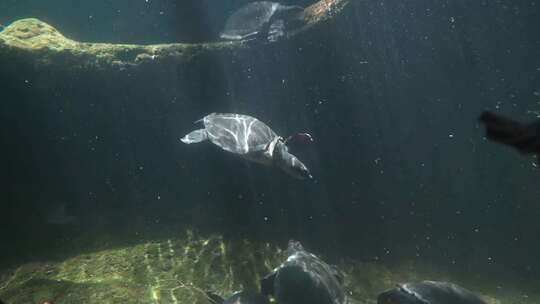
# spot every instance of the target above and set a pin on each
(391, 95)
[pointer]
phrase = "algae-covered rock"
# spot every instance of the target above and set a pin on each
(42, 44)
(322, 11)
(166, 271)
(184, 269)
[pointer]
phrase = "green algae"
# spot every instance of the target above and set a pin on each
(181, 270)
(43, 45)
(169, 271)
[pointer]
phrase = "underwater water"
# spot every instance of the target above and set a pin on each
(102, 202)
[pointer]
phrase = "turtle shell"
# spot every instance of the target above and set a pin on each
(429, 292)
(239, 134)
(249, 20)
(304, 278)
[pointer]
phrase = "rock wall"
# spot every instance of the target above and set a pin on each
(42, 44)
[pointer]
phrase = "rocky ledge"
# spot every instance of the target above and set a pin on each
(39, 43)
(181, 270)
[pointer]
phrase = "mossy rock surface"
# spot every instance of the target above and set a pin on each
(42, 44)
(181, 270)
(167, 271)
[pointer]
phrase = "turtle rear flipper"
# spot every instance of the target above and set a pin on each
(195, 137)
(214, 298)
(267, 284)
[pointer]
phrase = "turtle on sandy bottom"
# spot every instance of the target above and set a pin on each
(251, 139)
(261, 20)
(429, 292)
(304, 279)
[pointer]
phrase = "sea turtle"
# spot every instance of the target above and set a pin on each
(261, 19)
(304, 279)
(251, 139)
(525, 137)
(429, 292)
(240, 297)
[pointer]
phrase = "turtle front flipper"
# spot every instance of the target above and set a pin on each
(289, 163)
(195, 137)
(276, 30)
(282, 21)
(269, 148)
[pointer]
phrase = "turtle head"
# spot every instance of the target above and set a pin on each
(290, 163)
(289, 11)
(294, 246)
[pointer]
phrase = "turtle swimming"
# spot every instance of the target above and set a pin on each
(261, 19)
(525, 137)
(429, 292)
(251, 139)
(304, 279)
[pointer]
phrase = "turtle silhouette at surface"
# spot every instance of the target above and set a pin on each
(264, 20)
(250, 139)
